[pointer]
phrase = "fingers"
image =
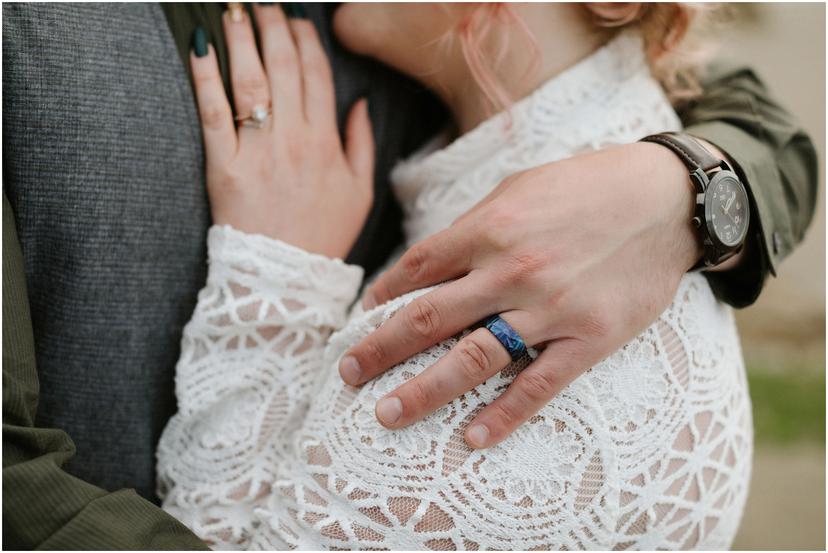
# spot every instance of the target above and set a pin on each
(559, 364)
(476, 358)
(359, 142)
(281, 61)
(419, 325)
(436, 259)
(317, 78)
(250, 86)
(214, 109)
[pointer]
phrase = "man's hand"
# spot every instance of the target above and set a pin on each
(579, 256)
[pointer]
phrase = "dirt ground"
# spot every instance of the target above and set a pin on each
(786, 506)
(785, 330)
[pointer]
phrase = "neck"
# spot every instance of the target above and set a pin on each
(563, 36)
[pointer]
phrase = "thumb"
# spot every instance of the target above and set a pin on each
(359, 142)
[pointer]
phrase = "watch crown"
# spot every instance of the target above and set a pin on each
(696, 222)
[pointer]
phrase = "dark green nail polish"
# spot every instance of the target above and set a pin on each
(265, 3)
(200, 42)
(295, 10)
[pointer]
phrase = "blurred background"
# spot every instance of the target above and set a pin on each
(783, 334)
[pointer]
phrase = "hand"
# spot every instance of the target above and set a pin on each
(283, 179)
(579, 256)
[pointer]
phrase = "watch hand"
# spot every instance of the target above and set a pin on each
(729, 202)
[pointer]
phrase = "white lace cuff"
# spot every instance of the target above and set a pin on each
(260, 263)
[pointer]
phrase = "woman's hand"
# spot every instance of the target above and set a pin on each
(578, 256)
(291, 179)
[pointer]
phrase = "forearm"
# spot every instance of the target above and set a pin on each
(44, 506)
(774, 158)
(47, 508)
(250, 356)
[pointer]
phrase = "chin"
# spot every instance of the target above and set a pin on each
(402, 35)
(359, 28)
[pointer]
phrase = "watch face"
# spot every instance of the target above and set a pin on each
(726, 209)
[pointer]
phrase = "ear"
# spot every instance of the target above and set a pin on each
(615, 14)
(675, 25)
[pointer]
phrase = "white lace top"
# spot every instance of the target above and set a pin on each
(649, 449)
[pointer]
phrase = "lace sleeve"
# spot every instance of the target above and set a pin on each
(649, 449)
(249, 356)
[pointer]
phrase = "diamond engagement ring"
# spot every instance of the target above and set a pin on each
(257, 118)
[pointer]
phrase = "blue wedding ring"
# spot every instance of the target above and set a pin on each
(506, 335)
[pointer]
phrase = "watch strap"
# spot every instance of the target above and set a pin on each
(690, 152)
(697, 159)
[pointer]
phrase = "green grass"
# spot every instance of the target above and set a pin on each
(788, 406)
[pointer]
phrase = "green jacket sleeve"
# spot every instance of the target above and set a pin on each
(776, 160)
(45, 507)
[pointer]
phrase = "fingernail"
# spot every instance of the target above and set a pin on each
(200, 42)
(477, 436)
(295, 10)
(236, 11)
(349, 370)
(265, 3)
(389, 410)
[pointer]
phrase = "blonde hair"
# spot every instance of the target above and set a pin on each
(674, 60)
(674, 54)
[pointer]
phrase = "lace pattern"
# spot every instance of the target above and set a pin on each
(270, 449)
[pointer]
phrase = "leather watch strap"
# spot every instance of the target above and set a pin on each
(691, 153)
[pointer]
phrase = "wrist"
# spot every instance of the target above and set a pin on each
(676, 200)
(734, 261)
(722, 205)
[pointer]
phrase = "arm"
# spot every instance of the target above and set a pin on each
(286, 197)
(581, 255)
(249, 359)
(774, 158)
(43, 506)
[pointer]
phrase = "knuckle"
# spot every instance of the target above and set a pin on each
(512, 179)
(538, 386)
(474, 361)
(213, 116)
(414, 264)
(282, 59)
(502, 218)
(373, 353)
(327, 147)
(423, 318)
(521, 267)
(380, 291)
(596, 325)
(297, 150)
(530, 261)
(418, 395)
(204, 79)
(304, 30)
(252, 85)
(317, 65)
(502, 417)
(230, 180)
(497, 230)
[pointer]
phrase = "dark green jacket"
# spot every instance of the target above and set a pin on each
(46, 507)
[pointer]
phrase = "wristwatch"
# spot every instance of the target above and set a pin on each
(722, 212)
